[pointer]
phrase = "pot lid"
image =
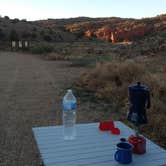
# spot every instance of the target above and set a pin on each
(138, 86)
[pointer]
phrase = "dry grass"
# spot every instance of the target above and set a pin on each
(108, 79)
(109, 82)
(56, 56)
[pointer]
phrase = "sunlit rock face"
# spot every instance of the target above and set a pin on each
(89, 33)
(119, 34)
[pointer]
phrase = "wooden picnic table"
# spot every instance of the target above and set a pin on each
(91, 147)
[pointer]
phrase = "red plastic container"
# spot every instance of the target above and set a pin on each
(106, 125)
(109, 126)
(115, 131)
(139, 144)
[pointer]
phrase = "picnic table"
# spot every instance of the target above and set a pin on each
(91, 147)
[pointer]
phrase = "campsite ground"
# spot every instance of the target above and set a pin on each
(31, 91)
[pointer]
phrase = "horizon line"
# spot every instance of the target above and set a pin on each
(51, 18)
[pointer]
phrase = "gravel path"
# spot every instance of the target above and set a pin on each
(30, 95)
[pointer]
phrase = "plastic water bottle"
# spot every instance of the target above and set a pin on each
(69, 115)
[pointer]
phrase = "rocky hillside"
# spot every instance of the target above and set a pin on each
(118, 29)
(14, 29)
(82, 28)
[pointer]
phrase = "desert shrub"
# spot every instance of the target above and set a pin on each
(34, 29)
(81, 62)
(56, 56)
(84, 60)
(13, 35)
(42, 49)
(79, 34)
(25, 35)
(33, 35)
(16, 20)
(6, 17)
(59, 37)
(42, 33)
(24, 20)
(47, 38)
(50, 31)
(109, 83)
(2, 34)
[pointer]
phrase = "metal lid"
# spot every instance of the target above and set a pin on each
(138, 86)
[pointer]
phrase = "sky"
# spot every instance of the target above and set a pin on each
(43, 9)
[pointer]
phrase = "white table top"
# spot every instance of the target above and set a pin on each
(91, 147)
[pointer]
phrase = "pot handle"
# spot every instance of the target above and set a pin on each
(116, 156)
(148, 99)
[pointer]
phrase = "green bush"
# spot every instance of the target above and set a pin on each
(42, 49)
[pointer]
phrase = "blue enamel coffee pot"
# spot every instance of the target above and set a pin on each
(139, 97)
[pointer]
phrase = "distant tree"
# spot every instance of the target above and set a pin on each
(25, 35)
(16, 20)
(6, 17)
(2, 34)
(24, 20)
(13, 35)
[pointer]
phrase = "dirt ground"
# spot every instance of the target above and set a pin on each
(31, 91)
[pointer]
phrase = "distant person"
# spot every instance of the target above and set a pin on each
(20, 44)
(13, 45)
(26, 44)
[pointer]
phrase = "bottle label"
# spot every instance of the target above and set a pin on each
(69, 106)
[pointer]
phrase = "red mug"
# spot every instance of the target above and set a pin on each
(139, 144)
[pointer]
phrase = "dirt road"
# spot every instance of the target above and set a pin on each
(30, 95)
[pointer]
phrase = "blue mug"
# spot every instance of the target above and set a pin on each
(123, 154)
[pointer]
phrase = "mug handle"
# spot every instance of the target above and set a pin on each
(116, 156)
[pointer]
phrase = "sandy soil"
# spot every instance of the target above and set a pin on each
(31, 91)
